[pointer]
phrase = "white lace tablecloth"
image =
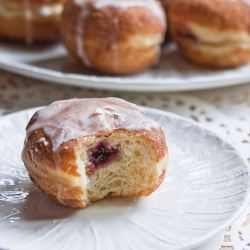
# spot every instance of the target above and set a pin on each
(225, 111)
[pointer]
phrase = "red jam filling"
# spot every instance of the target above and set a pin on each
(100, 154)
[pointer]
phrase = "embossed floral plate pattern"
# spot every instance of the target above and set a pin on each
(205, 189)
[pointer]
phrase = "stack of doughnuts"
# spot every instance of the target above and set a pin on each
(30, 21)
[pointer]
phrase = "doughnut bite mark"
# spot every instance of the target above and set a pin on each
(30, 21)
(212, 33)
(82, 150)
(114, 37)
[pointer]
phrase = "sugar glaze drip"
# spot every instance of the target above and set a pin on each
(70, 119)
(80, 37)
(122, 5)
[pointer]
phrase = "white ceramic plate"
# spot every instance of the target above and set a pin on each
(173, 73)
(206, 188)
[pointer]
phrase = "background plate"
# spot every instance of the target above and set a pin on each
(205, 189)
(173, 73)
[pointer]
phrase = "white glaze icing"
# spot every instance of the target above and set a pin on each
(114, 46)
(43, 141)
(28, 12)
(44, 10)
(247, 2)
(48, 10)
(80, 37)
(244, 1)
(71, 119)
(151, 5)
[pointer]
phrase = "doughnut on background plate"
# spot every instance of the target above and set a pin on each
(172, 73)
(206, 189)
(42, 26)
(114, 37)
(212, 33)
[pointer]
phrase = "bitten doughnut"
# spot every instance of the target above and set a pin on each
(30, 21)
(212, 33)
(82, 150)
(114, 37)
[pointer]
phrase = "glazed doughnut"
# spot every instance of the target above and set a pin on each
(114, 37)
(30, 21)
(212, 33)
(82, 150)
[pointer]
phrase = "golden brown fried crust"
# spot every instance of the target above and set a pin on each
(64, 158)
(40, 161)
(165, 4)
(219, 14)
(108, 26)
(101, 23)
(32, 3)
(42, 29)
(67, 195)
(125, 60)
(234, 58)
(14, 29)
